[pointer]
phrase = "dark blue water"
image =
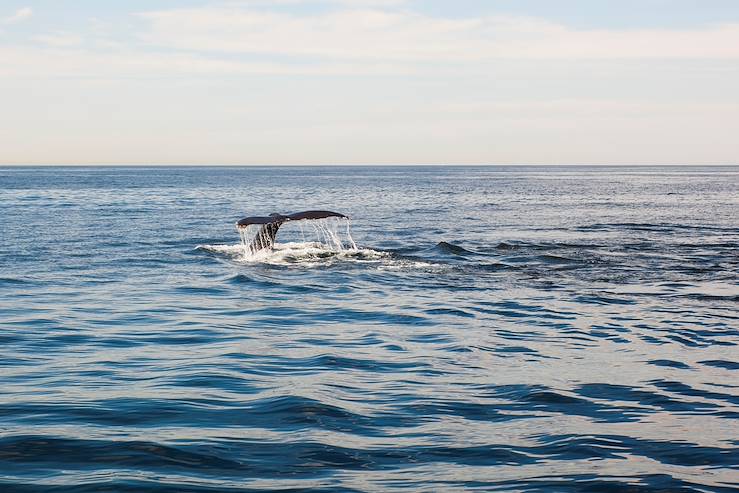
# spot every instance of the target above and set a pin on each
(498, 329)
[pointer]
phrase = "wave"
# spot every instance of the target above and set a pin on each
(544, 463)
(656, 227)
(445, 247)
(658, 272)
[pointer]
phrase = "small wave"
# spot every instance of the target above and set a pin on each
(657, 227)
(453, 249)
(13, 281)
(669, 363)
(717, 363)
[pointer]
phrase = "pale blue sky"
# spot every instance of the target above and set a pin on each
(369, 81)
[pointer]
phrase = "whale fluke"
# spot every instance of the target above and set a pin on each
(265, 238)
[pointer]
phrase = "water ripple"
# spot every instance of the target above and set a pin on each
(577, 332)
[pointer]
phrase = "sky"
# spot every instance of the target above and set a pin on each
(369, 82)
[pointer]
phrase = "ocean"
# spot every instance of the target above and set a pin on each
(522, 329)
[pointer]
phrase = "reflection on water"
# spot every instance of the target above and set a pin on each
(505, 329)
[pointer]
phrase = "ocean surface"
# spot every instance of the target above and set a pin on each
(535, 329)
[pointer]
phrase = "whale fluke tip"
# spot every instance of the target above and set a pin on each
(314, 215)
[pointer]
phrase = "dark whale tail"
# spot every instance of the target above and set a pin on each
(265, 238)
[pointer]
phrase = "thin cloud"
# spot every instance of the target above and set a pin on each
(61, 59)
(345, 3)
(60, 39)
(407, 36)
(19, 16)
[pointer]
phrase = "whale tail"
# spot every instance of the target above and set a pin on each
(265, 237)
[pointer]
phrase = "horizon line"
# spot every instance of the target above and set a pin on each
(316, 165)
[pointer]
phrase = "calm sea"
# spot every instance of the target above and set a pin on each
(535, 329)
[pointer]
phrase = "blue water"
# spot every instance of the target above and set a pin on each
(498, 329)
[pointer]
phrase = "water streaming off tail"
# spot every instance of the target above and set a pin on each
(331, 234)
